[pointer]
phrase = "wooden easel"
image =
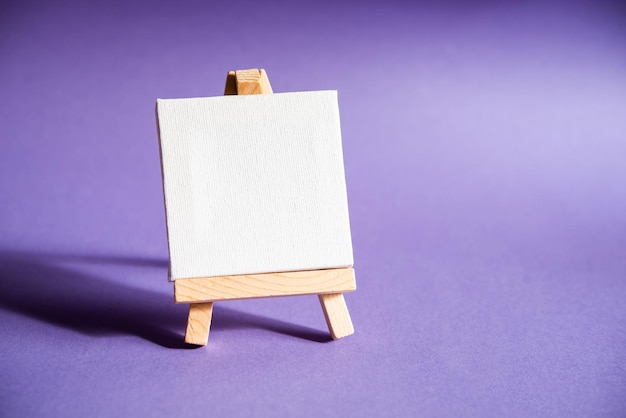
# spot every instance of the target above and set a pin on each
(328, 284)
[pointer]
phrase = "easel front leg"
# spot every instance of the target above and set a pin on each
(337, 315)
(198, 323)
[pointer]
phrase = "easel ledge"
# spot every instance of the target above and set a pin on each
(328, 284)
(313, 282)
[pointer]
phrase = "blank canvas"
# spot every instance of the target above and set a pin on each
(254, 184)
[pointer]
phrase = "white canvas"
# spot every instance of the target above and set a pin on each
(254, 184)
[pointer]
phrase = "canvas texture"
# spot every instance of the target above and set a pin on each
(254, 184)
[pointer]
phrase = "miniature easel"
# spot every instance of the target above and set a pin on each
(329, 284)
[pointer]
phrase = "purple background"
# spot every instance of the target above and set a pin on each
(485, 150)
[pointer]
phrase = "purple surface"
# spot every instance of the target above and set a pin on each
(485, 150)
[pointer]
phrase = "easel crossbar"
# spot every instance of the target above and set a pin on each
(313, 282)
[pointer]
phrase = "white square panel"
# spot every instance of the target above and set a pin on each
(254, 184)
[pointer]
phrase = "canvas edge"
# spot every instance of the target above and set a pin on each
(167, 231)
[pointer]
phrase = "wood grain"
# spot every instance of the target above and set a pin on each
(198, 323)
(245, 286)
(252, 81)
(337, 315)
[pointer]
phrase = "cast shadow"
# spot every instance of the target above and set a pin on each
(225, 318)
(35, 286)
(55, 258)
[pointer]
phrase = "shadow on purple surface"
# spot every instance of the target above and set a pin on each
(55, 258)
(226, 318)
(32, 285)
